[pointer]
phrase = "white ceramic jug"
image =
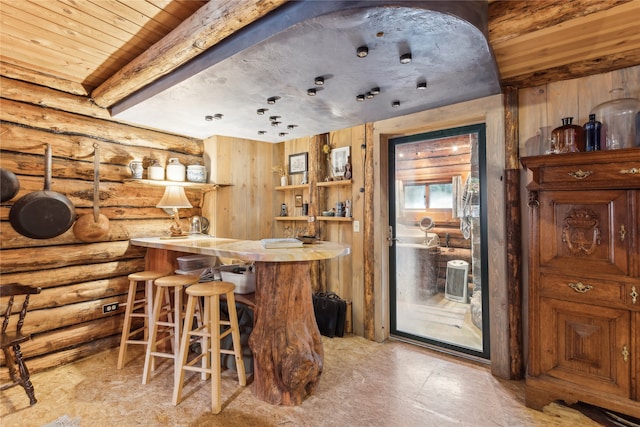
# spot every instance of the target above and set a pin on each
(155, 171)
(176, 171)
(136, 169)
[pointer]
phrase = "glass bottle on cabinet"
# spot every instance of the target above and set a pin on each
(619, 117)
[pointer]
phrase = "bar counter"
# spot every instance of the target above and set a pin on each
(286, 343)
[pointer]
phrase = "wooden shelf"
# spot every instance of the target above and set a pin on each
(203, 185)
(293, 187)
(334, 218)
(291, 218)
(334, 183)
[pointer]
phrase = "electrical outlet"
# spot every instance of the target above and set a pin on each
(356, 226)
(108, 308)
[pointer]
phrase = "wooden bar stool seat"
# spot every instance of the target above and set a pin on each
(210, 335)
(171, 313)
(137, 308)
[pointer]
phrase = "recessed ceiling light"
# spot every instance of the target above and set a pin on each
(375, 90)
(262, 132)
(362, 51)
(218, 116)
(405, 58)
(275, 124)
(421, 85)
(282, 134)
(261, 111)
(319, 81)
(274, 118)
(395, 104)
(292, 126)
(208, 118)
(369, 95)
(360, 98)
(380, 34)
(311, 92)
(272, 100)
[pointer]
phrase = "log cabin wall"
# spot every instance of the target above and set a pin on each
(78, 278)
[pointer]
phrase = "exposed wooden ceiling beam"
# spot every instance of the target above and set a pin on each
(513, 18)
(208, 26)
(562, 40)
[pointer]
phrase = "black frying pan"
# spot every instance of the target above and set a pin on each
(9, 185)
(43, 214)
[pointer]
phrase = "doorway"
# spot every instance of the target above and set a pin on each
(438, 246)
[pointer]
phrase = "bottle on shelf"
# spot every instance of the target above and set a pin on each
(568, 137)
(619, 117)
(592, 134)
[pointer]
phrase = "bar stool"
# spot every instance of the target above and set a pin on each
(136, 308)
(210, 335)
(169, 329)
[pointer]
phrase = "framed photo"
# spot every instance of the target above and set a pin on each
(298, 163)
(298, 200)
(339, 159)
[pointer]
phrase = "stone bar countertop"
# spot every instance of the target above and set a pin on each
(247, 250)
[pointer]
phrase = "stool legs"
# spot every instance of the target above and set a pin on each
(171, 327)
(132, 310)
(235, 336)
(210, 336)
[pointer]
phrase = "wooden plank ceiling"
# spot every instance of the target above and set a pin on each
(79, 45)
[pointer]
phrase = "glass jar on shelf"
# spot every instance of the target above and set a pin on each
(620, 119)
(568, 137)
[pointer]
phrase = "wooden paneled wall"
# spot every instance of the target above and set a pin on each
(246, 208)
(79, 278)
(243, 207)
(541, 108)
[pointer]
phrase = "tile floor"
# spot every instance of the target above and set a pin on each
(364, 383)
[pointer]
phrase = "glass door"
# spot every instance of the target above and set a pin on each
(438, 274)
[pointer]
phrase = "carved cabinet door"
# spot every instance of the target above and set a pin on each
(586, 345)
(585, 231)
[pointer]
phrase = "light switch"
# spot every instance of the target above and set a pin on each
(356, 226)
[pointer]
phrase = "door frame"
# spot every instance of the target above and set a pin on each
(489, 110)
(479, 129)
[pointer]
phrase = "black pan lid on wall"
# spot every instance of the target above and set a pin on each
(312, 67)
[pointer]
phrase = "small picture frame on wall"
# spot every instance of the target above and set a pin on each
(339, 159)
(298, 163)
(298, 200)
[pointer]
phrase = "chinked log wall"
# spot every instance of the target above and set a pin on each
(79, 278)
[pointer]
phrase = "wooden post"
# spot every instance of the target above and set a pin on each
(513, 233)
(368, 237)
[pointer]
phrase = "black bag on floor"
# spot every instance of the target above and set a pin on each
(330, 311)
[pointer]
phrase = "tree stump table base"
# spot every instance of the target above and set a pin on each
(286, 343)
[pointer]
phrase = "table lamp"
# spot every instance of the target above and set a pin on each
(174, 198)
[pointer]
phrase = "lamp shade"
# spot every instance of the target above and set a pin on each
(174, 197)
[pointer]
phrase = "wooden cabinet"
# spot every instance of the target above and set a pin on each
(584, 280)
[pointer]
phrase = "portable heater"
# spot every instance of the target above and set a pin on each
(456, 288)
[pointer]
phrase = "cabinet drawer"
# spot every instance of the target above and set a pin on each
(618, 175)
(583, 290)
